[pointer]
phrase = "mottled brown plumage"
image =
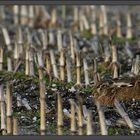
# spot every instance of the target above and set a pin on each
(129, 88)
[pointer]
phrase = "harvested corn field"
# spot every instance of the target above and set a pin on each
(69, 70)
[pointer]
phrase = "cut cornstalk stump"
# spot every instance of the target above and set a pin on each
(89, 123)
(53, 63)
(42, 95)
(27, 62)
(115, 65)
(85, 71)
(16, 54)
(72, 47)
(16, 14)
(62, 65)
(54, 18)
(9, 108)
(107, 51)
(59, 115)
(48, 63)
(42, 109)
(15, 126)
(129, 26)
(118, 22)
(31, 63)
(80, 117)
(73, 117)
(1, 58)
(93, 24)
(84, 21)
(24, 19)
(101, 23)
(3, 111)
(78, 69)
(76, 17)
(96, 75)
(51, 43)
(68, 69)
(9, 48)
(20, 41)
(105, 24)
(31, 15)
(59, 40)
(103, 126)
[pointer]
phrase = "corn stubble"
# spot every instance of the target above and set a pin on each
(39, 41)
